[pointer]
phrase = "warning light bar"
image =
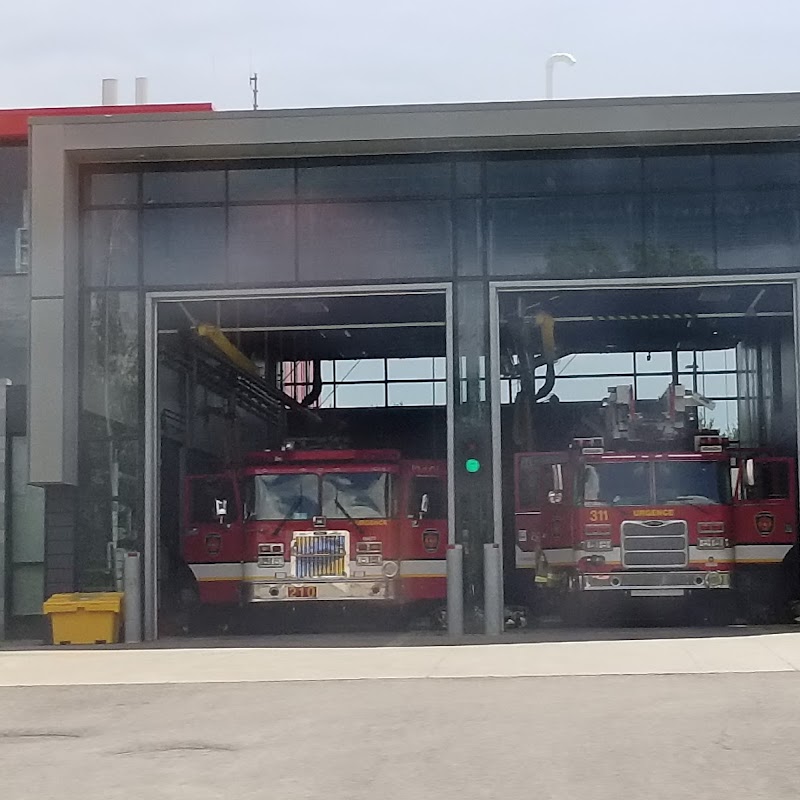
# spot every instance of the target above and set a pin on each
(590, 445)
(709, 444)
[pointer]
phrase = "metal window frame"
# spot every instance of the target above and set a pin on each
(152, 455)
(791, 279)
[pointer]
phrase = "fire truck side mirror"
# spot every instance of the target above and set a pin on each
(555, 497)
(424, 504)
(558, 479)
(221, 509)
(749, 472)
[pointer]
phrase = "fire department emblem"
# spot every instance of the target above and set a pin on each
(765, 523)
(430, 541)
(213, 544)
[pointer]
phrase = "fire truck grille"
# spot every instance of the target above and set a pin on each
(655, 543)
(320, 555)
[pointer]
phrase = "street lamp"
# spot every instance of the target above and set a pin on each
(556, 58)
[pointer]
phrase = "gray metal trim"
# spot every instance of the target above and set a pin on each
(152, 439)
(590, 122)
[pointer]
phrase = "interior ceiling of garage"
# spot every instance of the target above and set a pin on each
(686, 318)
(326, 327)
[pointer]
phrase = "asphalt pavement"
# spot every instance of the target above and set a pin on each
(653, 718)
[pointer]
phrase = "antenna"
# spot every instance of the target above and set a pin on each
(254, 88)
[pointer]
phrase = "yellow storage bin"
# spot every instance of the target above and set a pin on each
(92, 618)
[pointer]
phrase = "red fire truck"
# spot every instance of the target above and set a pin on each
(319, 525)
(635, 513)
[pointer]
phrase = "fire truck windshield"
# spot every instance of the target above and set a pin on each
(281, 496)
(356, 495)
(692, 482)
(617, 484)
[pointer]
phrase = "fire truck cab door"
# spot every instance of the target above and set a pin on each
(543, 498)
(213, 529)
(423, 545)
(765, 509)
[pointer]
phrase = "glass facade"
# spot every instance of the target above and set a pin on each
(523, 215)
(468, 218)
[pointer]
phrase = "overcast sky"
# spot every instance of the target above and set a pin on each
(352, 52)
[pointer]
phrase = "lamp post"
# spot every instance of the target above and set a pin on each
(556, 58)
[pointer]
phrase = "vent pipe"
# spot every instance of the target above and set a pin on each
(141, 91)
(110, 91)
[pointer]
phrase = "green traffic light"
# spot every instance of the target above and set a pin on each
(472, 465)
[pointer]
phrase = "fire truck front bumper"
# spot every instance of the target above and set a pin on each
(644, 583)
(341, 589)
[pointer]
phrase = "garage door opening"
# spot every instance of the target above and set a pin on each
(649, 451)
(303, 446)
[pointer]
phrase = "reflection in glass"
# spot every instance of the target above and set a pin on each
(109, 511)
(261, 243)
(757, 230)
(374, 241)
(111, 362)
(376, 180)
(360, 495)
(678, 235)
(565, 237)
(110, 248)
(197, 186)
(184, 246)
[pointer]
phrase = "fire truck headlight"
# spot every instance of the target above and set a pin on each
(711, 543)
(369, 560)
(390, 569)
(596, 545)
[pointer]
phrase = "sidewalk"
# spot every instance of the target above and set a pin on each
(760, 652)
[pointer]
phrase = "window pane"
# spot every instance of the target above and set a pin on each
(751, 170)
(13, 183)
(362, 181)
(677, 172)
(27, 590)
(440, 394)
(27, 508)
(110, 240)
(411, 394)
(563, 176)
(360, 395)
(585, 389)
(112, 189)
(14, 316)
(716, 359)
(757, 230)
(409, 369)
(580, 236)
(374, 241)
(469, 237)
(595, 364)
(261, 243)
(111, 360)
(184, 187)
(259, 185)
(184, 246)
(652, 387)
(108, 506)
(678, 234)
(468, 178)
(713, 386)
(724, 417)
(356, 495)
(365, 369)
(654, 362)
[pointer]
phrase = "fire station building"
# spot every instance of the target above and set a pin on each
(386, 260)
